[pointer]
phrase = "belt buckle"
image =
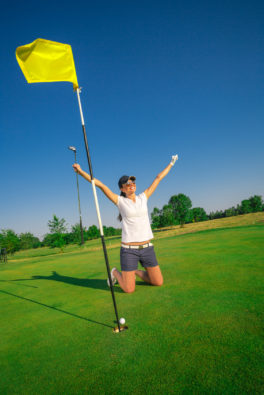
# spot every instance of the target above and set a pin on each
(140, 247)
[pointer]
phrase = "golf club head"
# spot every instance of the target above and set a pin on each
(72, 148)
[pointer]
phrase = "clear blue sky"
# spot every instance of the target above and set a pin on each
(158, 78)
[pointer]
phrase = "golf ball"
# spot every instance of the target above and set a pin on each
(122, 321)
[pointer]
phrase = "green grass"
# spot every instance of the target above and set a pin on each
(200, 333)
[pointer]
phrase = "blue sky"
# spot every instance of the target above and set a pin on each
(158, 78)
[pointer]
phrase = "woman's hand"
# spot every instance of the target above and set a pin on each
(77, 168)
(111, 196)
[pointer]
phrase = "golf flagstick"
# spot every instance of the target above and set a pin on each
(50, 61)
(97, 207)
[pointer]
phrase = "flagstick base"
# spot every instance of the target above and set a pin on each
(121, 329)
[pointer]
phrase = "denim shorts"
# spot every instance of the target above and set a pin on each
(129, 258)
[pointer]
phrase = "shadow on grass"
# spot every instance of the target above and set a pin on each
(56, 309)
(81, 282)
(22, 285)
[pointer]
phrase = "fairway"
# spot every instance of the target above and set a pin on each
(200, 333)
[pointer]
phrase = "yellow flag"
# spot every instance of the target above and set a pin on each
(47, 61)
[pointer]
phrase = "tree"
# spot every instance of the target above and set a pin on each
(167, 218)
(256, 203)
(181, 205)
(9, 240)
(217, 214)
(54, 240)
(156, 218)
(198, 214)
(75, 235)
(57, 225)
(57, 228)
(48, 240)
(110, 231)
(245, 207)
(231, 212)
(58, 241)
(93, 232)
(28, 240)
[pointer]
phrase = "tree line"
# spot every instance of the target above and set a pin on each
(58, 236)
(179, 211)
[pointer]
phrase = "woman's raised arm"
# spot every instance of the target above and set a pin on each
(108, 193)
(148, 192)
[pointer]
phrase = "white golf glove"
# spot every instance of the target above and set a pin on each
(173, 159)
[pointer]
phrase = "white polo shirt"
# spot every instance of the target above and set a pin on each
(135, 220)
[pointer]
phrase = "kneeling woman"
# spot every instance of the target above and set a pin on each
(136, 231)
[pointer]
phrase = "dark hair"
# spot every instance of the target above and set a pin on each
(120, 216)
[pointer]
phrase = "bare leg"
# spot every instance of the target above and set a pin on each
(152, 275)
(126, 280)
(155, 275)
(143, 275)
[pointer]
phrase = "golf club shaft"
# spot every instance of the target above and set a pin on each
(79, 203)
(97, 208)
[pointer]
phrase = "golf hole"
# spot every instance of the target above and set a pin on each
(122, 328)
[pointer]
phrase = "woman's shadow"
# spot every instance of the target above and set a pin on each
(81, 282)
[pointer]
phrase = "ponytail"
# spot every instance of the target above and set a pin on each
(120, 216)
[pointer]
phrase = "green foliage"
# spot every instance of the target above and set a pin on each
(57, 237)
(110, 231)
(54, 240)
(57, 225)
(245, 207)
(198, 214)
(156, 218)
(48, 240)
(231, 212)
(181, 205)
(9, 240)
(75, 235)
(92, 233)
(252, 205)
(256, 203)
(167, 216)
(58, 241)
(179, 211)
(28, 240)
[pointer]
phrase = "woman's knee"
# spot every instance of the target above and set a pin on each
(158, 283)
(155, 276)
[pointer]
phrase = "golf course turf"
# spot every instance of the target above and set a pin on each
(200, 333)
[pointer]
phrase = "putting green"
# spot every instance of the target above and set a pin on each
(201, 332)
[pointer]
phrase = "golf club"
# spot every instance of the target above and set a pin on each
(74, 150)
